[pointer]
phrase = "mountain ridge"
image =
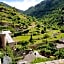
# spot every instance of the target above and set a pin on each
(44, 7)
(49, 12)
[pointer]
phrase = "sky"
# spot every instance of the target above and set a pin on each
(21, 4)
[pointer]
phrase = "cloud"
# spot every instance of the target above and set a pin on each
(23, 5)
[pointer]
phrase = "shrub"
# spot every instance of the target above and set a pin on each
(9, 51)
(38, 60)
(35, 33)
(17, 34)
(46, 36)
(62, 30)
(42, 32)
(1, 54)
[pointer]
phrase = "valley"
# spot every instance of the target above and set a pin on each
(40, 28)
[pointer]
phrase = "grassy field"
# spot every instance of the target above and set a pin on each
(21, 38)
(53, 35)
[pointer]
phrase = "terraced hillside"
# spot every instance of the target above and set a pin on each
(41, 31)
(12, 19)
(49, 12)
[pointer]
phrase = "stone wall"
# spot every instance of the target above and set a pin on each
(60, 61)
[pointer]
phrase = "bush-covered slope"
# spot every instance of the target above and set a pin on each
(46, 6)
(50, 12)
(12, 19)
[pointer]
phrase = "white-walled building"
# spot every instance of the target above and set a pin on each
(5, 37)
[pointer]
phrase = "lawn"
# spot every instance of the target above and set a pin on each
(38, 36)
(21, 38)
(37, 41)
(57, 37)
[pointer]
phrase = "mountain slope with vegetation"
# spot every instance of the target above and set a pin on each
(42, 33)
(11, 18)
(49, 12)
(45, 7)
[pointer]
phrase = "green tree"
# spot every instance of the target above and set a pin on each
(31, 39)
(46, 36)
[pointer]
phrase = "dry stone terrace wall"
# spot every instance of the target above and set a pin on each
(61, 61)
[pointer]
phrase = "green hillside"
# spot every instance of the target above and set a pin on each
(12, 19)
(45, 7)
(40, 28)
(49, 12)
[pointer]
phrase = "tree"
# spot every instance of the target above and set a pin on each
(59, 53)
(46, 36)
(9, 51)
(42, 31)
(31, 39)
(48, 49)
(24, 43)
(62, 19)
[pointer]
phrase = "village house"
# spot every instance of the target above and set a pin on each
(5, 38)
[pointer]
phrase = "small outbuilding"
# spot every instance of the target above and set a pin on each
(5, 37)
